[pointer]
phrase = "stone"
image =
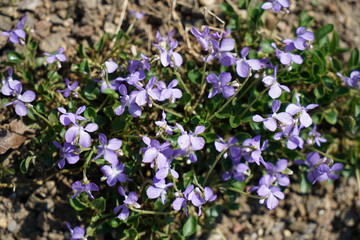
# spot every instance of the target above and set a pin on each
(3, 222)
(42, 28)
(85, 31)
(89, 3)
(6, 23)
(110, 28)
(12, 226)
(62, 13)
(30, 4)
(277, 228)
(61, 5)
(53, 42)
(56, 20)
(298, 227)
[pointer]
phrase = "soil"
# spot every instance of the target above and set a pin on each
(32, 209)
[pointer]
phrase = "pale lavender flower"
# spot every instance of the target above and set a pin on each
(252, 150)
(158, 190)
(168, 92)
(287, 58)
(108, 149)
(315, 136)
(133, 78)
(276, 5)
(297, 109)
(189, 142)
(168, 57)
(142, 97)
(60, 56)
(235, 152)
(80, 187)
(291, 133)
(277, 171)
(243, 65)
(271, 122)
(84, 137)
(130, 200)
(221, 50)
(271, 193)
(67, 152)
(68, 118)
(165, 41)
(77, 233)
(136, 14)
(238, 172)
(275, 87)
(155, 152)
(206, 39)
(17, 35)
(164, 167)
(163, 126)
(220, 84)
(299, 42)
(353, 80)
(324, 172)
(111, 66)
(26, 97)
(67, 91)
(312, 161)
(9, 84)
(114, 173)
(127, 101)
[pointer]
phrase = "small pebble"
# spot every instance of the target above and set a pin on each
(12, 226)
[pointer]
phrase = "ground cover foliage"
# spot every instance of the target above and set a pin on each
(158, 146)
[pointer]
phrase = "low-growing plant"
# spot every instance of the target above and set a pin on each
(159, 145)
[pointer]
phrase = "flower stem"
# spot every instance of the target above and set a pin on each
(277, 22)
(83, 99)
(244, 193)
(151, 212)
(203, 85)
(168, 110)
(214, 164)
(177, 74)
(252, 103)
(328, 155)
(39, 115)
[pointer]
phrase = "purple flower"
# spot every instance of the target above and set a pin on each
(155, 152)
(315, 136)
(168, 92)
(221, 50)
(164, 167)
(67, 118)
(297, 109)
(163, 126)
(277, 172)
(77, 233)
(220, 84)
(111, 66)
(353, 80)
(271, 122)
(17, 35)
(133, 78)
(66, 153)
(271, 193)
(189, 142)
(234, 151)
(142, 96)
(9, 84)
(287, 58)
(300, 42)
(158, 190)
(275, 87)
(205, 38)
(114, 173)
(324, 172)
(108, 149)
(127, 101)
(130, 200)
(252, 150)
(79, 188)
(244, 65)
(168, 56)
(291, 133)
(238, 172)
(165, 41)
(137, 15)
(276, 5)
(21, 99)
(84, 140)
(67, 91)
(57, 56)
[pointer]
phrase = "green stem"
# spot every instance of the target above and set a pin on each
(168, 110)
(328, 155)
(357, 173)
(177, 74)
(39, 115)
(88, 159)
(244, 193)
(203, 85)
(83, 99)
(229, 100)
(277, 22)
(252, 103)
(214, 164)
(151, 212)
(102, 104)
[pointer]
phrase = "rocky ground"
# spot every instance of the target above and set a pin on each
(38, 211)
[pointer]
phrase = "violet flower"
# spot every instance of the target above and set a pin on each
(114, 173)
(312, 161)
(238, 172)
(108, 149)
(67, 152)
(77, 233)
(111, 66)
(243, 65)
(84, 137)
(136, 14)
(277, 172)
(130, 200)
(155, 151)
(221, 50)
(205, 38)
(158, 190)
(9, 83)
(79, 188)
(275, 87)
(168, 92)
(272, 193)
(168, 57)
(163, 126)
(299, 42)
(60, 56)
(27, 97)
(67, 91)
(315, 136)
(287, 58)
(276, 5)
(353, 80)
(68, 118)
(189, 142)
(291, 133)
(164, 167)
(324, 172)
(17, 35)
(127, 101)
(252, 150)
(271, 122)
(298, 110)
(235, 152)
(220, 84)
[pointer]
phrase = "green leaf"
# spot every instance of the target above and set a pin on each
(84, 66)
(266, 46)
(195, 76)
(336, 65)
(77, 205)
(210, 137)
(99, 204)
(101, 43)
(323, 31)
(225, 113)
(185, 98)
(24, 165)
(319, 92)
(234, 121)
(90, 113)
(354, 58)
(111, 93)
(240, 185)
(331, 115)
(189, 226)
(305, 186)
(119, 35)
(305, 19)
(248, 39)
(334, 43)
(114, 222)
(14, 57)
